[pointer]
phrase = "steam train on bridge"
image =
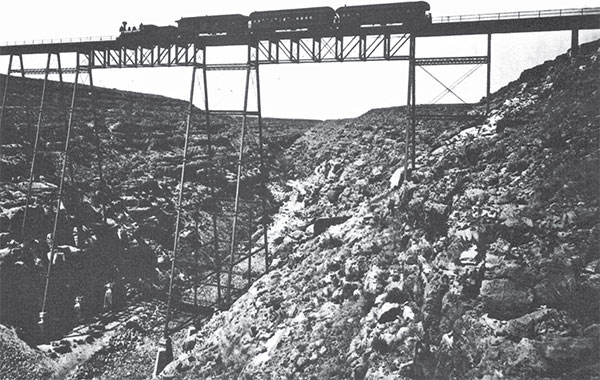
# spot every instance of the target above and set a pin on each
(267, 23)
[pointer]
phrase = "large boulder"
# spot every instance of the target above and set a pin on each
(388, 312)
(505, 299)
(567, 352)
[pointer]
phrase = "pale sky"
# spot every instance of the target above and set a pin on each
(327, 90)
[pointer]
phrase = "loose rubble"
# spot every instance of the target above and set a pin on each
(482, 265)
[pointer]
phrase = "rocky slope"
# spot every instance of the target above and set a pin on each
(483, 265)
(117, 219)
(19, 361)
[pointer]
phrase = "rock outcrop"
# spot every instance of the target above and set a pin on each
(481, 265)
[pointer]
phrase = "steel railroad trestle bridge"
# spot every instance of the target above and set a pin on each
(372, 43)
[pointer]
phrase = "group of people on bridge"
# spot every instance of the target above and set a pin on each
(124, 28)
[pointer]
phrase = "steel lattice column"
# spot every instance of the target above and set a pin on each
(179, 202)
(65, 158)
(165, 352)
(409, 148)
(263, 170)
(489, 73)
(239, 176)
(35, 147)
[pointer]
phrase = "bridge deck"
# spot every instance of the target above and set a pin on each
(510, 22)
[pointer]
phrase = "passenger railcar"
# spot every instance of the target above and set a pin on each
(213, 25)
(264, 23)
(408, 13)
(293, 19)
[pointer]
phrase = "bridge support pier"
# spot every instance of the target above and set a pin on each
(194, 151)
(409, 146)
(164, 356)
(4, 106)
(161, 354)
(165, 352)
(574, 41)
(35, 147)
(83, 66)
(251, 66)
(61, 152)
(489, 74)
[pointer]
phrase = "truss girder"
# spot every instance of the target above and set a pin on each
(438, 61)
(156, 56)
(378, 47)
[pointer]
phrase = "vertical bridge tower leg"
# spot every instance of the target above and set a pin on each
(35, 148)
(3, 110)
(252, 66)
(239, 243)
(211, 184)
(165, 352)
(264, 176)
(574, 41)
(489, 74)
(43, 322)
(39, 126)
(409, 146)
(240, 164)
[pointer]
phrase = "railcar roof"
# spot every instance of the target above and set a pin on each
(214, 17)
(291, 11)
(423, 4)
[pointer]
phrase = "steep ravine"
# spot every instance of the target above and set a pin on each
(483, 265)
(117, 230)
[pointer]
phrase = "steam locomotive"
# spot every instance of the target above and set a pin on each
(264, 23)
(148, 35)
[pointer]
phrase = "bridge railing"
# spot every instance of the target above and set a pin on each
(59, 40)
(517, 15)
(437, 20)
